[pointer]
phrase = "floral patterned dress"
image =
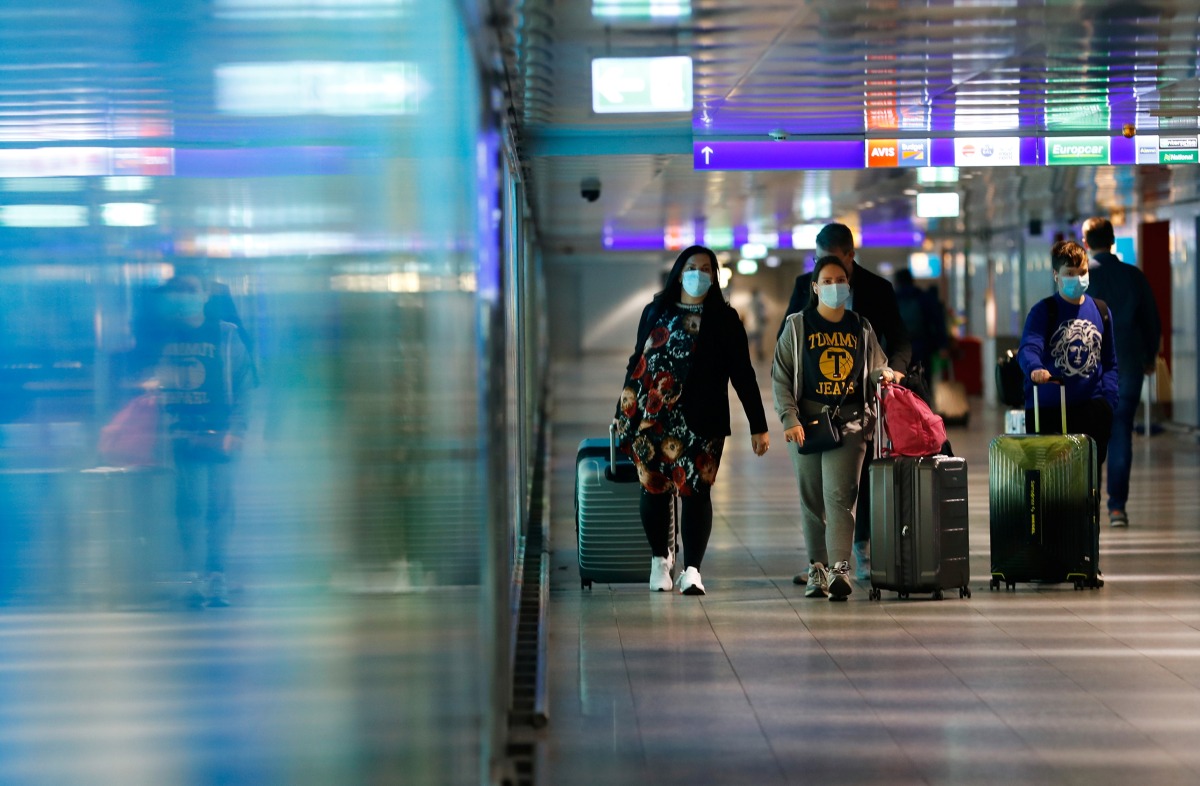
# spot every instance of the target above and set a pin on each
(650, 424)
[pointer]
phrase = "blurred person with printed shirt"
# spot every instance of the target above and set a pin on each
(204, 376)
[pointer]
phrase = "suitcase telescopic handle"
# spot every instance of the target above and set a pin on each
(1062, 404)
(612, 448)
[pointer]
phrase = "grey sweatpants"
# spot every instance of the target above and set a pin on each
(828, 494)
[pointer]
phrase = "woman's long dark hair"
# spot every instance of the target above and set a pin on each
(813, 300)
(673, 291)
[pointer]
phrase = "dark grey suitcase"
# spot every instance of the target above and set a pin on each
(1044, 499)
(919, 526)
(612, 543)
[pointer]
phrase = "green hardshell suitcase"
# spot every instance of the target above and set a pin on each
(1044, 496)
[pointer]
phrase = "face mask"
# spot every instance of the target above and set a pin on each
(833, 295)
(696, 282)
(1073, 286)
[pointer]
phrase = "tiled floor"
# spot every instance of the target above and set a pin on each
(754, 684)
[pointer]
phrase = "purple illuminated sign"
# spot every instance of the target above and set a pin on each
(825, 154)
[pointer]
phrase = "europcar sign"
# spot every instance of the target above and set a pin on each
(1077, 150)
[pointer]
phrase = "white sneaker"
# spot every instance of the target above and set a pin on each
(660, 574)
(689, 582)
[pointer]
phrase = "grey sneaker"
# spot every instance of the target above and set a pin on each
(862, 560)
(818, 581)
(839, 581)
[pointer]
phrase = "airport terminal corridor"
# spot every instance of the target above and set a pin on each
(753, 683)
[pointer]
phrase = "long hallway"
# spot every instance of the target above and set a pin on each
(754, 684)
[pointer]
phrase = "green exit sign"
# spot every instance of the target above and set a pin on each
(641, 84)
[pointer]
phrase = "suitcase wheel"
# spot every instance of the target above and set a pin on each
(939, 595)
(874, 594)
(585, 583)
(995, 585)
(964, 592)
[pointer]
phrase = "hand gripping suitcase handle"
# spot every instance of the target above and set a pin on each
(1062, 404)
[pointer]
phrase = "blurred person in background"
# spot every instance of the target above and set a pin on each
(923, 319)
(673, 415)
(755, 321)
(204, 378)
(1137, 330)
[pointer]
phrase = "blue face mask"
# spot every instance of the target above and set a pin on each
(696, 282)
(1072, 287)
(833, 295)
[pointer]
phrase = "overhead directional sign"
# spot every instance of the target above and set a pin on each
(807, 154)
(818, 154)
(641, 84)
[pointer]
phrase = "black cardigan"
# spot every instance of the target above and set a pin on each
(722, 355)
(874, 299)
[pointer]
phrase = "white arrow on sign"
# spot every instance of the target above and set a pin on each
(613, 84)
(707, 151)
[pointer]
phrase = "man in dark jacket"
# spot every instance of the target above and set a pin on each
(1138, 331)
(873, 297)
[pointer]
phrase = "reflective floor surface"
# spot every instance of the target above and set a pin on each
(754, 684)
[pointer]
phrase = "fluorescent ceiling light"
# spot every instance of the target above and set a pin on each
(754, 251)
(938, 205)
(641, 84)
(928, 175)
(747, 267)
(42, 185)
(54, 216)
(311, 9)
(130, 183)
(128, 214)
(318, 88)
(641, 9)
(805, 235)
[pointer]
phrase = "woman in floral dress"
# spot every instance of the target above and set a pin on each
(673, 415)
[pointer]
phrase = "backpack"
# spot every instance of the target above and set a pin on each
(1010, 380)
(912, 427)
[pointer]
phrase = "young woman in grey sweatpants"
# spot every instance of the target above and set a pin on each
(828, 356)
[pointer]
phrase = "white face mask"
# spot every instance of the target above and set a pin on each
(833, 295)
(1073, 286)
(696, 282)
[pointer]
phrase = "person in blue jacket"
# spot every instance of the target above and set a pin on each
(1068, 337)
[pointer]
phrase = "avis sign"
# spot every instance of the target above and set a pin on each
(897, 152)
(1077, 150)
